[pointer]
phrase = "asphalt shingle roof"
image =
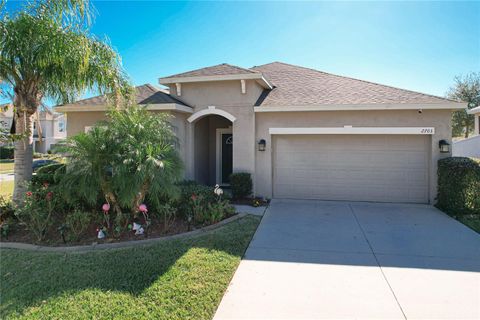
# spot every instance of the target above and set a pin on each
(300, 86)
(218, 70)
(144, 94)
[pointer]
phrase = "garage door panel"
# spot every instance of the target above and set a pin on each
(384, 168)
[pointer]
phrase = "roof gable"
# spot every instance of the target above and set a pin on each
(300, 86)
(217, 70)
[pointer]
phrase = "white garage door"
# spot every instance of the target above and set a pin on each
(388, 168)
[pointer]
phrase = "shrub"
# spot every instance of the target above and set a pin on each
(77, 222)
(51, 174)
(199, 204)
(36, 210)
(6, 216)
(459, 186)
(241, 184)
(193, 197)
(166, 213)
(217, 211)
(6, 152)
(6, 209)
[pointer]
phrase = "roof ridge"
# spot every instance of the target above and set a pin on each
(182, 74)
(240, 68)
(356, 79)
(150, 86)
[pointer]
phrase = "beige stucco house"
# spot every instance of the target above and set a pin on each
(300, 132)
(49, 128)
(469, 147)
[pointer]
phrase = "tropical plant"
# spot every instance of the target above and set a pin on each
(466, 89)
(123, 160)
(47, 51)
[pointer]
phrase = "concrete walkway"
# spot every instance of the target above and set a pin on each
(7, 177)
(321, 259)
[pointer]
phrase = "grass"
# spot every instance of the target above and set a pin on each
(176, 279)
(472, 221)
(6, 166)
(6, 188)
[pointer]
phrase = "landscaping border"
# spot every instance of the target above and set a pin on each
(117, 245)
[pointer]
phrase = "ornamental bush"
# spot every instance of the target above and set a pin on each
(36, 211)
(6, 152)
(241, 184)
(459, 186)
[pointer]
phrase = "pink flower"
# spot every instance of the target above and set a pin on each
(194, 196)
(29, 193)
(45, 184)
(142, 208)
(106, 207)
(49, 195)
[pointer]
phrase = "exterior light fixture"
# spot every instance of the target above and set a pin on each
(444, 146)
(261, 145)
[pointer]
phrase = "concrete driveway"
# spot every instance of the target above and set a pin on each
(322, 259)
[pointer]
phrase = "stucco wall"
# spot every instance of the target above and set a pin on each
(218, 93)
(77, 121)
(439, 119)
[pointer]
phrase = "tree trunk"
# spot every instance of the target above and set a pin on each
(23, 155)
(25, 101)
(467, 129)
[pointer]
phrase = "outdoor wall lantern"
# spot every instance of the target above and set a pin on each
(261, 145)
(444, 146)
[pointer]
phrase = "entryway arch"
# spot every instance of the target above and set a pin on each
(212, 146)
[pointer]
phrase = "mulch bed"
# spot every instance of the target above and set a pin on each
(249, 202)
(53, 238)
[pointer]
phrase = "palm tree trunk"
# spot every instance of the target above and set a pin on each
(23, 154)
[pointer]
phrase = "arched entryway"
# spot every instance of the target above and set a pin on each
(212, 146)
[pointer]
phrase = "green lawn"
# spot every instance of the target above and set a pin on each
(177, 279)
(6, 188)
(6, 166)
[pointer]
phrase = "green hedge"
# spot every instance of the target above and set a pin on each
(459, 186)
(241, 184)
(6, 152)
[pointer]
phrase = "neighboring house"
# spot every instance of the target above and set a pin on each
(469, 147)
(300, 132)
(52, 126)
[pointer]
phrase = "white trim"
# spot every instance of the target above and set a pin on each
(218, 153)
(243, 86)
(356, 130)
(153, 107)
(353, 107)
(244, 76)
(211, 110)
(474, 110)
(179, 89)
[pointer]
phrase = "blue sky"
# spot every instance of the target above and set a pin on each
(414, 45)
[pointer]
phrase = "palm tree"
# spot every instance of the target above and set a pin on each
(132, 155)
(47, 51)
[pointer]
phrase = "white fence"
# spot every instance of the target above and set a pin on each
(469, 147)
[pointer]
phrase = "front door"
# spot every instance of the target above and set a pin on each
(226, 156)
